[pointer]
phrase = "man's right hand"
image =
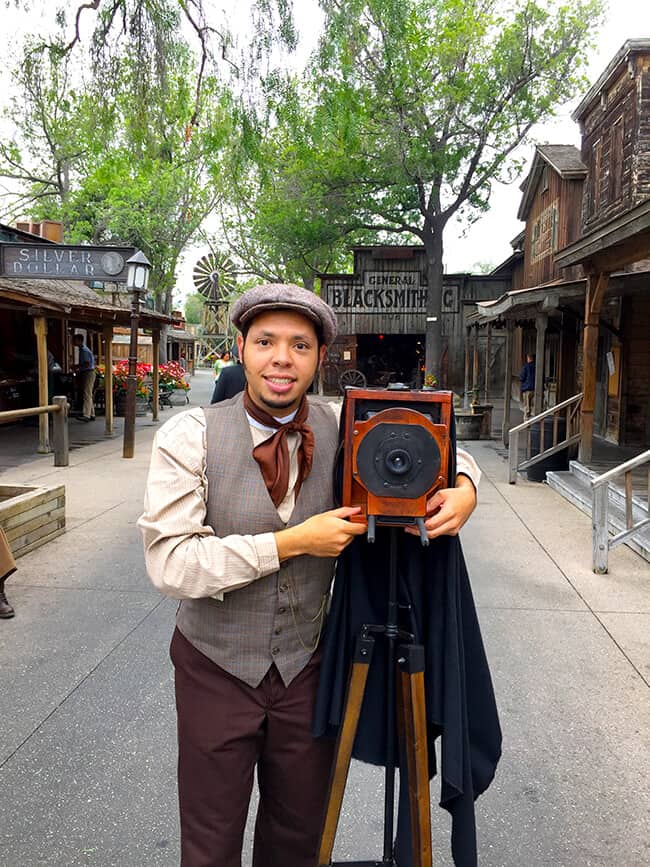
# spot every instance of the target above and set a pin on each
(324, 535)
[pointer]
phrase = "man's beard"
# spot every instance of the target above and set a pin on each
(279, 403)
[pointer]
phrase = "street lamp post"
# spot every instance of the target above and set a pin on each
(137, 282)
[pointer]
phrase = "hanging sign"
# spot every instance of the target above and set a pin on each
(381, 292)
(65, 262)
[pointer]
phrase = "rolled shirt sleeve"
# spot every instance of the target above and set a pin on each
(184, 557)
(467, 466)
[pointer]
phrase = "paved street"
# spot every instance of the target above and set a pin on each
(87, 757)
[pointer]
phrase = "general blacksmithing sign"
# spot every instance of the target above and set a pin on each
(382, 291)
(65, 262)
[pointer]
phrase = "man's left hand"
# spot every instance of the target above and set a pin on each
(448, 509)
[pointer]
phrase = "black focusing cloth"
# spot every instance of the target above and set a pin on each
(460, 702)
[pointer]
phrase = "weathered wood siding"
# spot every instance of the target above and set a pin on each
(636, 370)
(616, 146)
(366, 307)
(553, 223)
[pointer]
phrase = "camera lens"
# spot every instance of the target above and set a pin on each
(398, 462)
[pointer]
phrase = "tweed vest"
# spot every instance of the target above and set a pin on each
(276, 619)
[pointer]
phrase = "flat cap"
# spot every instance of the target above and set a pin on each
(285, 296)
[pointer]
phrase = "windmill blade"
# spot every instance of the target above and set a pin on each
(214, 277)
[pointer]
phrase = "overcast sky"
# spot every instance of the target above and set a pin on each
(488, 240)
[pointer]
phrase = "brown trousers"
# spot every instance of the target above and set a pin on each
(7, 562)
(226, 729)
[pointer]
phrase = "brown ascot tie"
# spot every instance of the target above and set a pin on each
(273, 454)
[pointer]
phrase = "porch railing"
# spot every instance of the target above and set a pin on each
(569, 409)
(602, 544)
(60, 439)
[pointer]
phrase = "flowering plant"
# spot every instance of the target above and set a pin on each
(172, 375)
(121, 372)
(430, 381)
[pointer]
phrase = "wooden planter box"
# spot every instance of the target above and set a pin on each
(31, 516)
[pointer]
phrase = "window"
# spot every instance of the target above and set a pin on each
(616, 161)
(543, 184)
(594, 179)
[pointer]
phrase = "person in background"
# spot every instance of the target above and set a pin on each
(221, 363)
(231, 380)
(527, 380)
(7, 568)
(85, 370)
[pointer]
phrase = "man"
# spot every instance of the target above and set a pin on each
(239, 524)
(527, 380)
(7, 568)
(231, 380)
(85, 369)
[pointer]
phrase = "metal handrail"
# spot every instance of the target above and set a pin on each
(572, 406)
(60, 440)
(602, 544)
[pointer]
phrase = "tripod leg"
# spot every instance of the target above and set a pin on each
(411, 662)
(353, 702)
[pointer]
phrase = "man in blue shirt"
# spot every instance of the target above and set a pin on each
(85, 369)
(527, 380)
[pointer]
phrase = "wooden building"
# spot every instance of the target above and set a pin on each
(381, 311)
(38, 320)
(614, 120)
(540, 314)
(582, 303)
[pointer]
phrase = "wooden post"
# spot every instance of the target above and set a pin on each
(155, 384)
(507, 386)
(108, 381)
(60, 432)
(541, 321)
(596, 286)
(40, 329)
(476, 365)
(468, 364)
(488, 341)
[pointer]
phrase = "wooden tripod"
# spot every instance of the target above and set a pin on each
(407, 706)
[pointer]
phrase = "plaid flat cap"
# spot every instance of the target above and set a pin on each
(285, 296)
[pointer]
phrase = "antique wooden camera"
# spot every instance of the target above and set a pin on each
(396, 454)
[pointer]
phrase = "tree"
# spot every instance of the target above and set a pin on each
(114, 131)
(194, 304)
(416, 106)
(117, 163)
(116, 21)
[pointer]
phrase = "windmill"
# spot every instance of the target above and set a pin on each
(214, 278)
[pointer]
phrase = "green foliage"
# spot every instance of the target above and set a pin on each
(113, 135)
(408, 113)
(194, 308)
(114, 155)
(431, 97)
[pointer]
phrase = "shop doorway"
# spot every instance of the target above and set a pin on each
(386, 358)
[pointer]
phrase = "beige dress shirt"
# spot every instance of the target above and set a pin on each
(184, 557)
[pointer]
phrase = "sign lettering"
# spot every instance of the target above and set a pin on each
(357, 299)
(407, 279)
(64, 262)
